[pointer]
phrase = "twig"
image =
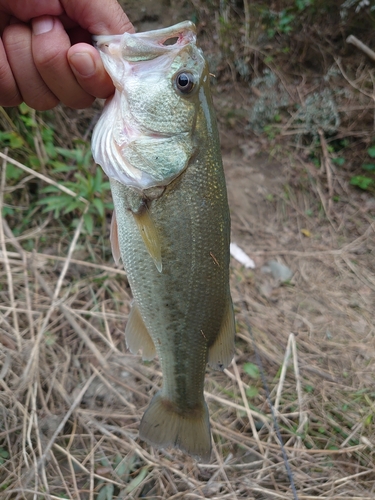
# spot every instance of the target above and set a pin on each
(361, 46)
(327, 164)
(42, 177)
(6, 261)
(247, 408)
(36, 256)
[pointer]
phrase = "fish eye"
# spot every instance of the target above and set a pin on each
(185, 82)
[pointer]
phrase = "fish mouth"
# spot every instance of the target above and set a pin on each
(148, 45)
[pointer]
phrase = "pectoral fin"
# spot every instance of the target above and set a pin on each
(221, 352)
(137, 336)
(114, 239)
(150, 236)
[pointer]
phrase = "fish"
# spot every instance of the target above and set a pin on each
(157, 140)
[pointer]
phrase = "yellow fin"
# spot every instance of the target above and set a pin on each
(162, 425)
(114, 239)
(150, 236)
(137, 336)
(221, 352)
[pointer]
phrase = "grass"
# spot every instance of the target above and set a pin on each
(71, 396)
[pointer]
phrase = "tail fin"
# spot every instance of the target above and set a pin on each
(163, 426)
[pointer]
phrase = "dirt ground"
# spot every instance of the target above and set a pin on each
(71, 397)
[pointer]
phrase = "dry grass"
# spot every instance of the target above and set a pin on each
(72, 397)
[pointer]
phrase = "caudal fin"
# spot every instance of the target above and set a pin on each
(163, 426)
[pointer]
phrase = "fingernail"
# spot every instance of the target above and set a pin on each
(83, 63)
(42, 24)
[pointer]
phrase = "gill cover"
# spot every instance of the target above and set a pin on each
(145, 135)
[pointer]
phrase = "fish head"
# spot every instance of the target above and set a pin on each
(146, 134)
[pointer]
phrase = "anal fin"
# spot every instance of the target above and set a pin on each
(137, 336)
(150, 236)
(114, 239)
(221, 352)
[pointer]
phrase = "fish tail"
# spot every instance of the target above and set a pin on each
(162, 425)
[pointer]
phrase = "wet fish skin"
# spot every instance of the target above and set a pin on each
(183, 310)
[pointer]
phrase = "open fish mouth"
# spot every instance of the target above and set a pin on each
(147, 46)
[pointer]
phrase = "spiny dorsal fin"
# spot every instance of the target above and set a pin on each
(221, 352)
(114, 239)
(150, 236)
(137, 336)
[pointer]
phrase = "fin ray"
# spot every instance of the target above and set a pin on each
(150, 236)
(114, 239)
(162, 426)
(137, 336)
(221, 352)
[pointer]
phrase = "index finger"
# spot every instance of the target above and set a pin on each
(98, 17)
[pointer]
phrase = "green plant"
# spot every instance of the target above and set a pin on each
(32, 140)
(366, 181)
(4, 455)
(90, 187)
(284, 21)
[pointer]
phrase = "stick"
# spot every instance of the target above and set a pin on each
(361, 46)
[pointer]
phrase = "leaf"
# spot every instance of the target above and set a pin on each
(59, 166)
(72, 206)
(306, 233)
(13, 172)
(24, 108)
(89, 223)
(16, 141)
(339, 161)
(251, 369)
(252, 392)
(371, 151)
(370, 167)
(98, 180)
(50, 189)
(361, 181)
(99, 205)
(134, 483)
(106, 493)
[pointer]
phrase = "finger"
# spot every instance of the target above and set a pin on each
(9, 94)
(98, 17)
(50, 44)
(27, 10)
(17, 42)
(89, 71)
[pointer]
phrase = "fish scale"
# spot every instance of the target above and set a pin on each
(174, 242)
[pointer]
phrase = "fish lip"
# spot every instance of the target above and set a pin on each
(153, 41)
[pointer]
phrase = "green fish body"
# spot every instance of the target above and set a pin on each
(172, 223)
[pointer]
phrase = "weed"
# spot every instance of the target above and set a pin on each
(366, 181)
(34, 141)
(269, 105)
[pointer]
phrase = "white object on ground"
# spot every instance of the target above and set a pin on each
(241, 256)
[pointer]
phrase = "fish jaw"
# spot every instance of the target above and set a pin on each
(146, 134)
(144, 46)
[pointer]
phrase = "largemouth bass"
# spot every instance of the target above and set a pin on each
(157, 140)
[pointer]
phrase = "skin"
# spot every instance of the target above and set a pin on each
(46, 56)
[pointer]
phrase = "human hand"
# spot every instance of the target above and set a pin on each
(45, 51)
